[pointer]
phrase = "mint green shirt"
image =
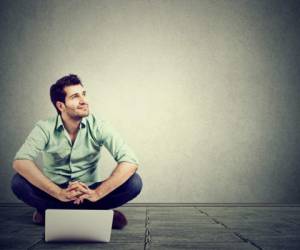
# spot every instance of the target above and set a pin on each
(62, 161)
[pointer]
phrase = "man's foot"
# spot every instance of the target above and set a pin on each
(119, 220)
(38, 218)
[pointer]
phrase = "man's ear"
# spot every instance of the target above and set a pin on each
(60, 106)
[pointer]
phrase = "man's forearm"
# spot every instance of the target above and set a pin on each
(121, 174)
(30, 171)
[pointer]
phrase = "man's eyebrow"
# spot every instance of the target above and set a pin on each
(84, 92)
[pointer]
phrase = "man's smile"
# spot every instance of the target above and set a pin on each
(83, 107)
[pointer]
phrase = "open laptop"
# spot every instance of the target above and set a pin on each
(78, 225)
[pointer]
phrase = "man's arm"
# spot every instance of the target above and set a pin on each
(24, 160)
(30, 171)
(122, 154)
(121, 174)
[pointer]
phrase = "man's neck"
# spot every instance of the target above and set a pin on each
(70, 124)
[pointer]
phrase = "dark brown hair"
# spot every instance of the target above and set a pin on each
(57, 92)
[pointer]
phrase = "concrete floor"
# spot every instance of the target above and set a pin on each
(171, 227)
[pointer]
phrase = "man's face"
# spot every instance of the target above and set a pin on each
(76, 103)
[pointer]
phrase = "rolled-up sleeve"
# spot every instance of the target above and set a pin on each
(115, 144)
(33, 145)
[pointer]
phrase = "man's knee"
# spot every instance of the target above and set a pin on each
(17, 184)
(135, 184)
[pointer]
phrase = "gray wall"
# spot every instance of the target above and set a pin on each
(205, 92)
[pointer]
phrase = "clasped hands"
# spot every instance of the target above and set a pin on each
(78, 191)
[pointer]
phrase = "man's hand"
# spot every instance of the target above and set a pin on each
(86, 192)
(74, 190)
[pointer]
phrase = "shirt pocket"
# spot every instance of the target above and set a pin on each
(59, 154)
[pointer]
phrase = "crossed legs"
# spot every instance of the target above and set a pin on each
(40, 200)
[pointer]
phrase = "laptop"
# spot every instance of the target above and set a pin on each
(78, 225)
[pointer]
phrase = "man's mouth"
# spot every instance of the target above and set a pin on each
(83, 107)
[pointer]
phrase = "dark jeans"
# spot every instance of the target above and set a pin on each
(40, 200)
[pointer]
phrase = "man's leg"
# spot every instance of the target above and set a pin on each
(126, 192)
(39, 199)
(34, 196)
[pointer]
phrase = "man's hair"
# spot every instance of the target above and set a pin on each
(57, 92)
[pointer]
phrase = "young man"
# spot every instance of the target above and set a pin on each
(71, 143)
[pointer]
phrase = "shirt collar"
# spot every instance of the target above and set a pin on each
(60, 124)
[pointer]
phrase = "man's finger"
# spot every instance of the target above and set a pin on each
(82, 197)
(77, 186)
(70, 188)
(81, 189)
(73, 194)
(84, 185)
(84, 190)
(77, 183)
(72, 182)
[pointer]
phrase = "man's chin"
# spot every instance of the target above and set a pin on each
(86, 114)
(83, 114)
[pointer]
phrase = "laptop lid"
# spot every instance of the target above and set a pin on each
(78, 225)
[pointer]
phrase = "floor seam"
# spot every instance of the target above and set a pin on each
(34, 244)
(237, 234)
(147, 241)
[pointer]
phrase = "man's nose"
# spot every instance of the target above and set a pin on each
(83, 99)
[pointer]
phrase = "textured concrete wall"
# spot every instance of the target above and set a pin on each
(206, 92)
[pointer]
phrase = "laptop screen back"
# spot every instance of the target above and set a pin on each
(78, 225)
